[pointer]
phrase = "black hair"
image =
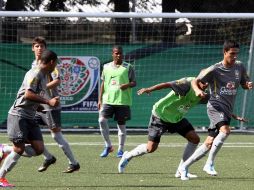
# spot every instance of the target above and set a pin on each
(117, 47)
(230, 44)
(47, 56)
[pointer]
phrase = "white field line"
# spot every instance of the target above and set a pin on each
(134, 144)
(226, 145)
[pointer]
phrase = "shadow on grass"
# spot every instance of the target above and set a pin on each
(225, 178)
(135, 173)
(112, 186)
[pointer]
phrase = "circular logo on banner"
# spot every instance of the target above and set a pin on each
(93, 63)
(75, 78)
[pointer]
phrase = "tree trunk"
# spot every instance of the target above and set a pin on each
(122, 25)
(168, 24)
(10, 25)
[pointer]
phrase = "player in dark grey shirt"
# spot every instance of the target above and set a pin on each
(22, 130)
(223, 78)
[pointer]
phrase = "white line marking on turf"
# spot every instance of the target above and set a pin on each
(172, 145)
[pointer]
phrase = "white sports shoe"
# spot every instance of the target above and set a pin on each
(209, 169)
(183, 173)
(123, 163)
(189, 175)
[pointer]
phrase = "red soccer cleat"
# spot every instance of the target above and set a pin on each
(5, 183)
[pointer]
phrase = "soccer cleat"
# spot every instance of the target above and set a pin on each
(183, 173)
(119, 154)
(106, 151)
(72, 168)
(46, 164)
(189, 175)
(209, 169)
(123, 163)
(5, 183)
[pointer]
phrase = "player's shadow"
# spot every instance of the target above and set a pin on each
(114, 186)
(136, 173)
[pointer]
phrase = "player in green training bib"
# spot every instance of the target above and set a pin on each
(168, 116)
(118, 77)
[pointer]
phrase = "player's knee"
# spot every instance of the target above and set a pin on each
(121, 122)
(39, 150)
(225, 130)
(196, 141)
(19, 150)
(55, 129)
(152, 148)
(193, 137)
(102, 121)
(121, 132)
(209, 142)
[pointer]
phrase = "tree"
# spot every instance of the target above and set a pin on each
(13, 5)
(122, 25)
(10, 30)
(168, 24)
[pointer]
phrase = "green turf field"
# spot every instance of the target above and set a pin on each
(154, 171)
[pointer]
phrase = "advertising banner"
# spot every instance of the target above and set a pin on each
(79, 89)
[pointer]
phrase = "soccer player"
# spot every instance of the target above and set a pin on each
(224, 78)
(168, 116)
(22, 130)
(51, 117)
(118, 77)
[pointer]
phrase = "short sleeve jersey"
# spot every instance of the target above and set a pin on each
(113, 77)
(223, 83)
(50, 93)
(177, 103)
(35, 81)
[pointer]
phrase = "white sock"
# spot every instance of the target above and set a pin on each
(188, 151)
(198, 154)
(121, 136)
(64, 145)
(216, 146)
(7, 148)
(138, 151)
(9, 162)
(103, 122)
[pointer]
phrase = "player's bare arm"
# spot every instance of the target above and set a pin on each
(100, 95)
(53, 84)
(128, 85)
(30, 95)
(236, 117)
(153, 88)
(196, 87)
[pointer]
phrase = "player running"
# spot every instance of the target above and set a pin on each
(224, 78)
(168, 116)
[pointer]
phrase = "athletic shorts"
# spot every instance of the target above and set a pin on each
(157, 127)
(22, 130)
(50, 118)
(217, 118)
(120, 112)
